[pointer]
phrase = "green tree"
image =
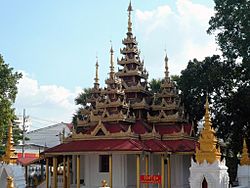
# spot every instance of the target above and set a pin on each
(155, 85)
(232, 24)
(8, 92)
(210, 76)
(81, 100)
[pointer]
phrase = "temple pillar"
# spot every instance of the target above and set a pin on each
(146, 167)
(26, 173)
(47, 172)
(64, 171)
(162, 172)
(78, 171)
(110, 171)
(54, 172)
(169, 172)
(68, 172)
(138, 171)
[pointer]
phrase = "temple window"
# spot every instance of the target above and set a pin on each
(103, 163)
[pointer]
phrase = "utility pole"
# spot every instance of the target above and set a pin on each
(24, 118)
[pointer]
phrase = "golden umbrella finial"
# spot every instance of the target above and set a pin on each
(130, 9)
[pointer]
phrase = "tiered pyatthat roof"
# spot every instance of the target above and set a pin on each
(96, 90)
(133, 74)
(112, 105)
(10, 157)
(126, 102)
(95, 94)
(208, 142)
(118, 118)
(245, 160)
(166, 106)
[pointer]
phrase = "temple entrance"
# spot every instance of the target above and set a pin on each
(204, 183)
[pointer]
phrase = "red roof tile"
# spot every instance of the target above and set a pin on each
(102, 145)
(98, 145)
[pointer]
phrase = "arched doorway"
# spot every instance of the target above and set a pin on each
(204, 183)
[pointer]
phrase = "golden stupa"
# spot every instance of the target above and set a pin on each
(245, 160)
(208, 150)
(10, 157)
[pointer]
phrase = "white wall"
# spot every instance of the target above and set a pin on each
(180, 170)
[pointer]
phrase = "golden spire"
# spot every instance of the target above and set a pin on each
(10, 157)
(208, 150)
(112, 72)
(96, 73)
(130, 9)
(166, 67)
(245, 160)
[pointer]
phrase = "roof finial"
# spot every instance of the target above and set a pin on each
(112, 72)
(96, 72)
(130, 9)
(10, 157)
(166, 66)
(244, 156)
(207, 116)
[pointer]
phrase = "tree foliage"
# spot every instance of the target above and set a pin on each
(232, 21)
(8, 92)
(155, 85)
(81, 100)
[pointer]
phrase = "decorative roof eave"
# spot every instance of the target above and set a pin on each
(123, 73)
(85, 111)
(180, 134)
(106, 117)
(110, 104)
(162, 117)
(100, 126)
(167, 84)
(165, 106)
(82, 122)
(112, 91)
(139, 105)
(166, 94)
(117, 135)
(126, 50)
(131, 40)
(126, 61)
(95, 91)
(151, 135)
(137, 88)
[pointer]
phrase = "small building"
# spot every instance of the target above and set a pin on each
(127, 135)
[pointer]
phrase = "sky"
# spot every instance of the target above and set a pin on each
(55, 44)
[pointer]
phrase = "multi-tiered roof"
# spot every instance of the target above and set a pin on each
(126, 116)
(133, 74)
(166, 106)
(112, 106)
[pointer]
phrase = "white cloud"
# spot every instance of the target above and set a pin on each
(47, 102)
(181, 30)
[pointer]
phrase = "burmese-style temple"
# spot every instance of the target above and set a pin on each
(127, 131)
